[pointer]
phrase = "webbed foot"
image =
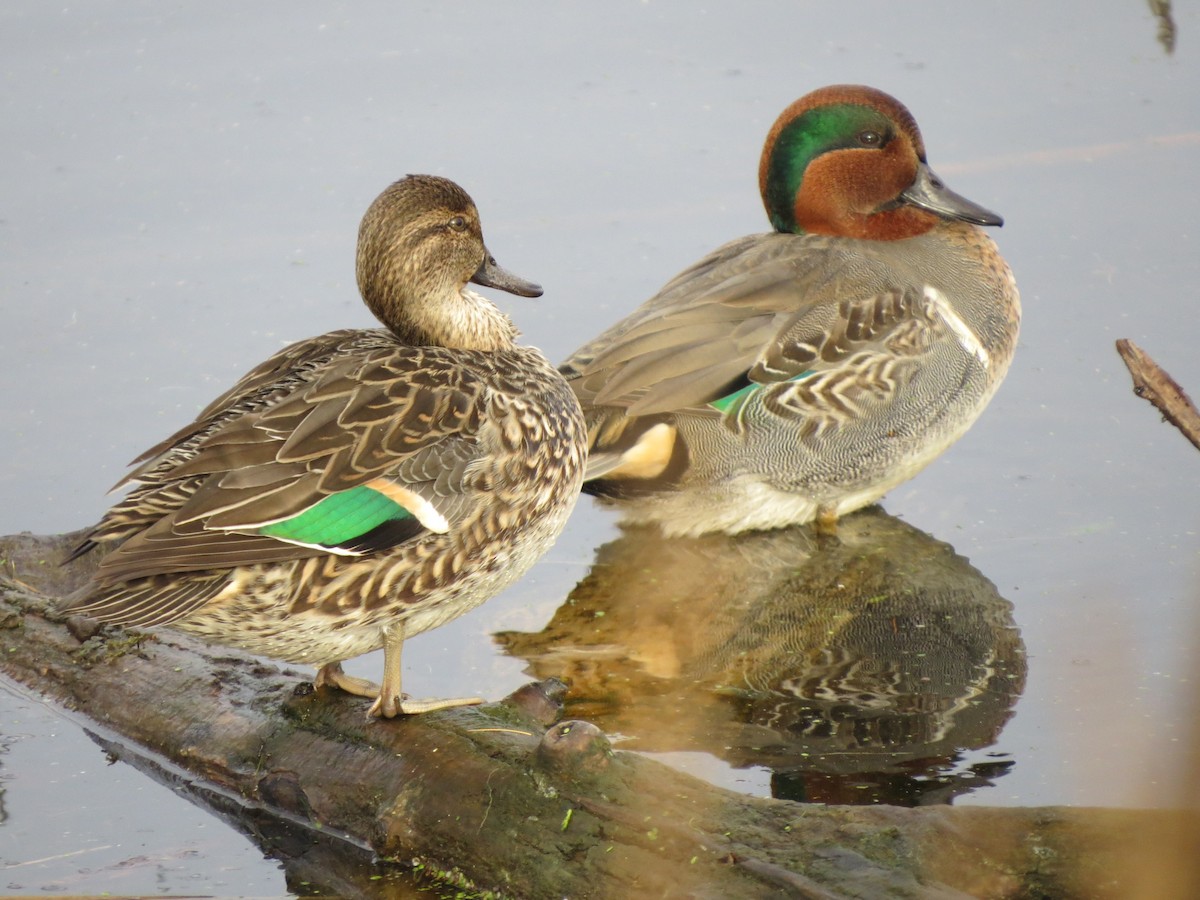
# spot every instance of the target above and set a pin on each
(405, 705)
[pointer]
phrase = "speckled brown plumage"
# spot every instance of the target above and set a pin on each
(471, 444)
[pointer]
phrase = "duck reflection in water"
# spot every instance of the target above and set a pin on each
(857, 668)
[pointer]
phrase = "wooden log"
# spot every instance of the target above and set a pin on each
(501, 798)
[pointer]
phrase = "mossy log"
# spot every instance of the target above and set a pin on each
(503, 798)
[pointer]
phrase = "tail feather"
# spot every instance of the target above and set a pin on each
(147, 602)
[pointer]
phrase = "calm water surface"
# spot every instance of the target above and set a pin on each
(182, 189)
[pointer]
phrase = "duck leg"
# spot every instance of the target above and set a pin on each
(391, 701)
(331, 675)
(826, 521)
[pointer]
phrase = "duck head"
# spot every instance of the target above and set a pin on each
(419, 245)
(848, 161)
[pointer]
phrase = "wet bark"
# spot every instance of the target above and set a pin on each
(503, 798)
(1152, 383)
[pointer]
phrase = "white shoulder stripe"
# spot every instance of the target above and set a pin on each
(966, 337)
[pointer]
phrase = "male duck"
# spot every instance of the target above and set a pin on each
(363, 486)
(802, 374)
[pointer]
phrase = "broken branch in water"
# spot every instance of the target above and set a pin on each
(1151, 383)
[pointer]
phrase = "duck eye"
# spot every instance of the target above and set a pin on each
(870, 138)
(458, 223)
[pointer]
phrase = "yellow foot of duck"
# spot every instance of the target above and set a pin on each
(390, 703)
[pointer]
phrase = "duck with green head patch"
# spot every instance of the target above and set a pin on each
(363, 486)
(803, 373)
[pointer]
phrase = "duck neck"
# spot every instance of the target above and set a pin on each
(464, 320)
(895, 224)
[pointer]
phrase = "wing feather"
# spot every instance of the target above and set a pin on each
(732, 317)
(330, 415)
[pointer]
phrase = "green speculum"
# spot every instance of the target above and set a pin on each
(731, 404)
(339, 518)
(809, 135)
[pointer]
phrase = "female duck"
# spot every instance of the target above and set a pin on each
(363, 486)
(802, 374)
